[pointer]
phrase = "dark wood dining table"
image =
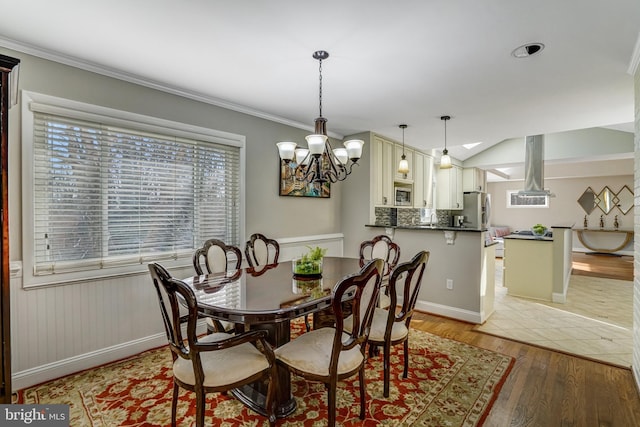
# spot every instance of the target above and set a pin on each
(269, 297)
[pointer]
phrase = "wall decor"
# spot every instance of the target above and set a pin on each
(292, 184)
(606, 200)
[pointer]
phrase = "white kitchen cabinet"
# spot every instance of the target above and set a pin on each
(423, 180)
(383, 158)
(398, 156)
(449, 189)
(474, 179)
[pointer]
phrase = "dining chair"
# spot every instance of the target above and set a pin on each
(391, 326)
(331, 354)
(215, 256)
(381, 247)
(261, 250)
(217, 362)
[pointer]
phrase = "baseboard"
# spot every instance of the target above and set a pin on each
(451, 312)
(61, 368)
(558, 298)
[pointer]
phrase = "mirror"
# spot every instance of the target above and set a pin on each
(605, 200)
(588, 200)
(625, 200)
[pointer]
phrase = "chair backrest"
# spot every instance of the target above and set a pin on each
(172, 294)
(260, 250)
(365, 286)
(406, 278)
(381, 247)
(217, 257)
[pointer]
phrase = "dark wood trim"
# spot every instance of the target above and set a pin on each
(6, 65)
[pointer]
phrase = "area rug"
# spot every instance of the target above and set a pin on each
(450, 384)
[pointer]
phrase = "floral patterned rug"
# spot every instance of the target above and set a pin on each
(449, 384)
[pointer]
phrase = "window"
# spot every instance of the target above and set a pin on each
(516, 201)
(111, 193)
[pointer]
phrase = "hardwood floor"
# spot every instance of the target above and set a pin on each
(602, 265)
(547, 388)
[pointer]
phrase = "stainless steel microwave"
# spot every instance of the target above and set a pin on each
(403, 196)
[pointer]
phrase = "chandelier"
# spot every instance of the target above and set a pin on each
(320, 162)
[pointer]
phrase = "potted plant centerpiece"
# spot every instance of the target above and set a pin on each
(309, 264)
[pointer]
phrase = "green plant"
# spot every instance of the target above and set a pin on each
(539, 229)
(314, 254)
(311, 262)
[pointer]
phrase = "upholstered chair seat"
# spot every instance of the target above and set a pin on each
(311, 352)
(379, 327)
(385, 300)
(223, 367)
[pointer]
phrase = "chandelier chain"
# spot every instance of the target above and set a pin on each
(320, 89)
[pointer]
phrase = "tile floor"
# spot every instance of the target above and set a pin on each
(596, 321)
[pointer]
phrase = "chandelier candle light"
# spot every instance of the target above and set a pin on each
(338, 162)
(445, 160)
(403, 166)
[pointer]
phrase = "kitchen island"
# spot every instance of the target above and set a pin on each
(539, 267)
(459, 280)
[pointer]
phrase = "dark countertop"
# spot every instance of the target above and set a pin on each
(528, 237)
(567, 225)
(427, 228)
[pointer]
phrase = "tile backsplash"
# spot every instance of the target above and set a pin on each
(409, 216)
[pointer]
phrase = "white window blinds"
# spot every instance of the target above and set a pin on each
(109, 195)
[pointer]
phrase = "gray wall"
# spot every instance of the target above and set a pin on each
(266, 211)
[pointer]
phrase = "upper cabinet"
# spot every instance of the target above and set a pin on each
(423, 180)
(449, 188)
(398, 156)
(474, 179)
(383, 159)
(419, 182)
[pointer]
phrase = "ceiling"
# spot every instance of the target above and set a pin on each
(408, 61)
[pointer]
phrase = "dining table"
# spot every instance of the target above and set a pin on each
(268, 298)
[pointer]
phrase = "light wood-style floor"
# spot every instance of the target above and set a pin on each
(548, 388)
(596, 321)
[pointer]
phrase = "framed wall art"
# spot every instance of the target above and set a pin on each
(292, 184)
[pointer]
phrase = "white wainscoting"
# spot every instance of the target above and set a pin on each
(59, 330)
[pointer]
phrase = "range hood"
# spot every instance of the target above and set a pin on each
(534, 167)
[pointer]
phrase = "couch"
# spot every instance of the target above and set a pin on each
(497, 233)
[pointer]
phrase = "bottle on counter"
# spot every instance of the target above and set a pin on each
(616, 224)
(586, 222)
(601, 221)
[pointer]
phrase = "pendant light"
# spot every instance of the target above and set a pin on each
(445, 160)
(403, 167)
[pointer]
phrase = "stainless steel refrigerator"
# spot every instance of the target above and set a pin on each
(476, 210)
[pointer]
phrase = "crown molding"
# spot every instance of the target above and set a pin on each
(138, 80)
(635, 58)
